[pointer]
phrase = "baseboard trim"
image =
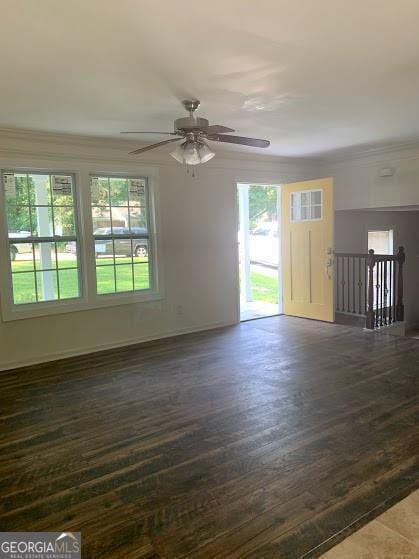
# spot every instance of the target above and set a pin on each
(57, 356)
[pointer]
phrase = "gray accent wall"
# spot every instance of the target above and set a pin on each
(351, 235)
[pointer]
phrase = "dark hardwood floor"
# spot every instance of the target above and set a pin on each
(261, 440)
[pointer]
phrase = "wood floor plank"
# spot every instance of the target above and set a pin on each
(261, 440)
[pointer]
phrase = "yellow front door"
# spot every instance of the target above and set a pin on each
(307, 249)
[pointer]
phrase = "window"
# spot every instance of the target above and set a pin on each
(47, 267)
(307, 205)
(42, 237)
(381, 241)
(121, 226)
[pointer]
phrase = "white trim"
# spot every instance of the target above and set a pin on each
(310, 206)
(280, 267)
(390, 231)
(134, 295)
(10, 310)
(243, 245)
(278, 186)
(50, 143)
(58, 355)
(49, 308)
(88, 299)
(236, 256)
(378, 153)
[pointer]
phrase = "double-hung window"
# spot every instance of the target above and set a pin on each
(121, 230)
(47, 267)
(42, 237)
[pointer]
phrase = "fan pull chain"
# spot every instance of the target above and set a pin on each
(193, 170)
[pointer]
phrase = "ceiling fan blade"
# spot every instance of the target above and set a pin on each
(254, 142)
(152, 146)
(165, 133)
(218, 129)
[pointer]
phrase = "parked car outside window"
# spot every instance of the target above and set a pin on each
(264, 244)
(123, 247)
(19, 248)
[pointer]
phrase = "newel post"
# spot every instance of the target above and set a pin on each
(401, 257)
(370, 311)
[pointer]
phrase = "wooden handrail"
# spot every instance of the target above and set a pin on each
(351, 254)
(381, 257)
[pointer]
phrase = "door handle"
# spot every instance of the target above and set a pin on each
(329, 266)
(329, 263)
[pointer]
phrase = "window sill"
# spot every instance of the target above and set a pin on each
(38, 310)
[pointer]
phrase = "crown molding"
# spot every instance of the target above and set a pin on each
(24, 141)
(34, 143)
(370, 151)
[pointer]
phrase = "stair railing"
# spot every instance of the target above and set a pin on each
(371, 286)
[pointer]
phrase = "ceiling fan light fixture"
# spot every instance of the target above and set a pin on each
(205, 153)
(177, 154)
(193, 131)
(192, 152)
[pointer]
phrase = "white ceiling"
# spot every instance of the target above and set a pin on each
(309, 75)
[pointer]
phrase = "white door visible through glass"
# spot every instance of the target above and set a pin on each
(381, 242)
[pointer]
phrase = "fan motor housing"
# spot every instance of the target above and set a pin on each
(191, 123)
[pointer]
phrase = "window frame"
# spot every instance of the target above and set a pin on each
(89, 299)
(390, 251)
(11, 310)
(390, 232)
(321, 205)
(138, 294)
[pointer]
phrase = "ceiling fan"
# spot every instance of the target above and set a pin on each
(194, 131)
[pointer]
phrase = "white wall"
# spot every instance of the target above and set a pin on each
(197, 245)
(358, 183)
(197, 234)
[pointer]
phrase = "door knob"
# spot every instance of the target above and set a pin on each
(329, 264)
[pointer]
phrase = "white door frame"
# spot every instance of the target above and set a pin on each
(279, 220)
